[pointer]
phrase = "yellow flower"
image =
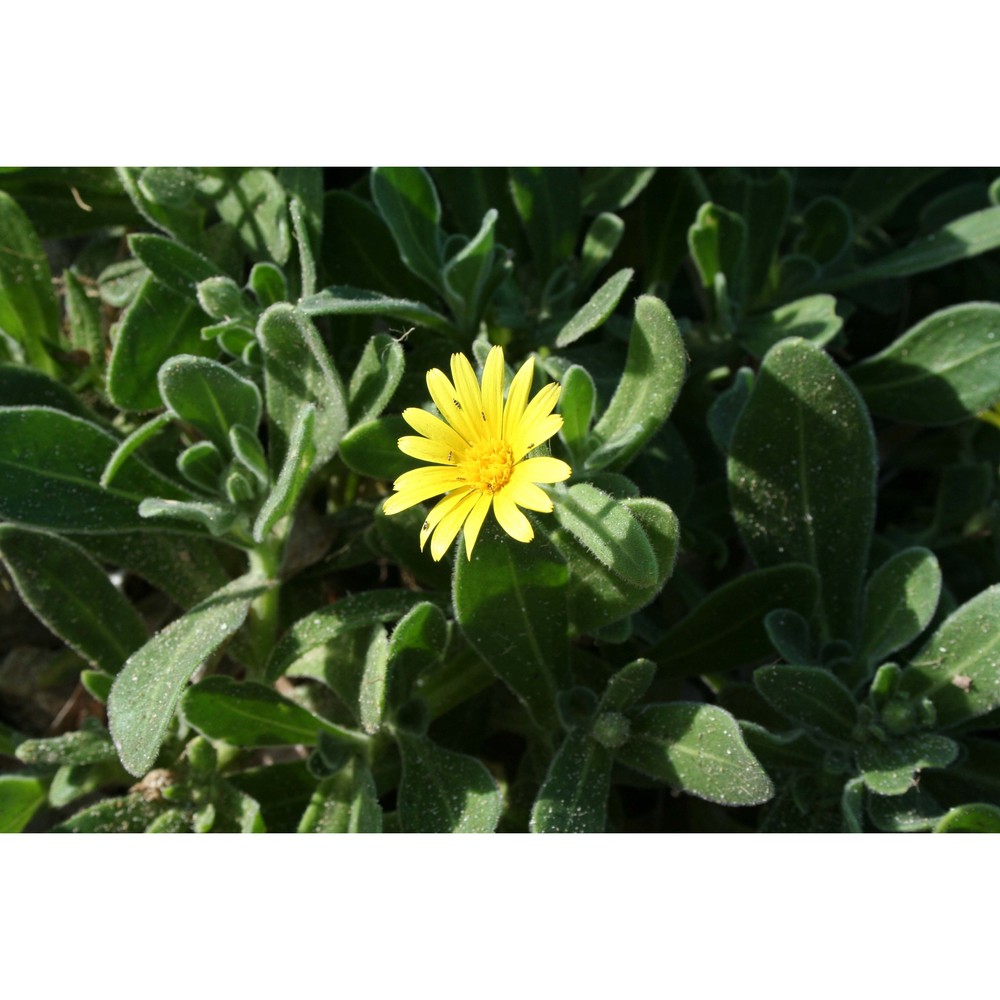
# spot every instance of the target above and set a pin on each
(478, 451)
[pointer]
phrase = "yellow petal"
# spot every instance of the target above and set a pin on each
(430, 451)
(468, 394)
(493, 393)
(511, 519)
(437, 512)
(517, 397)
(428, 475)
(526, 494)
(432, 427)
(535, 412)
(530, 437)
(450, 524)
(475, 521)
(449, 404)
(542, 470)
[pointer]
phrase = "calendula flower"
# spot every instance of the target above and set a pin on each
(478, 452)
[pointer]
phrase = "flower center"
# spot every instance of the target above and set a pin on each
(488, 465)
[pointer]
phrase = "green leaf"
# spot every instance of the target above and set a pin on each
(976, 817)
(175, 215)
(346, 802)
(790, 635)
(900, 600)
(408, 202)
(349, 613)
(84, 746)
(444, 792)
(726, 630)
(727, 408)
(343, 300)
(958, 668)
(596, 595)
(297, 372)
(811, 697)
(307, 262)
(84, 318)
(802, 477)
(607, 529)
(417, 644)
(763, 206)
(827, 232)
(209, 396)
(97, 684)
(246, 714)
(253, 203)
(510, 601)
(359, 250)
(813, 318)
(596, 311)
(124, 814)
(669, 204)
(577, 407)
(131, 444)
(159, 324)
(375, 378)
(147, 690)
(174, 265)
(548, 201)
(374, 681)
(28, 309)
(627, 686)
(299, 460)
(717, 241)
(472, 273)
(852, 806)
(72, 595)
(599, 245)
(943, 370)
(119, 283)
(650, 383)
(876, 192)
(698, 749)
(608, 189)
(21, 386)
(218, 518)
(246, 447)
(186, 568)
(371, 449)
(966, 237)
(20, 798)
(574, 796)
(911, 812)
(50, 470)
(892, 768)
(223, 299)
(201, 465)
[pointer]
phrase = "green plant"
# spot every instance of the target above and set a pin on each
(770, 582)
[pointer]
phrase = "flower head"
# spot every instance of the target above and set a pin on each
(478, 452)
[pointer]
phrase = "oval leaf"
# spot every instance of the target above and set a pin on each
(959, 666)
(650, 384)
(900, 600)
(574, 796)
(607, 529)
(510, 600)
(811, 697)
(444, 792)
(698, 749)
(146, 692)
(802, 477)
(943, 370)
(72, 595)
